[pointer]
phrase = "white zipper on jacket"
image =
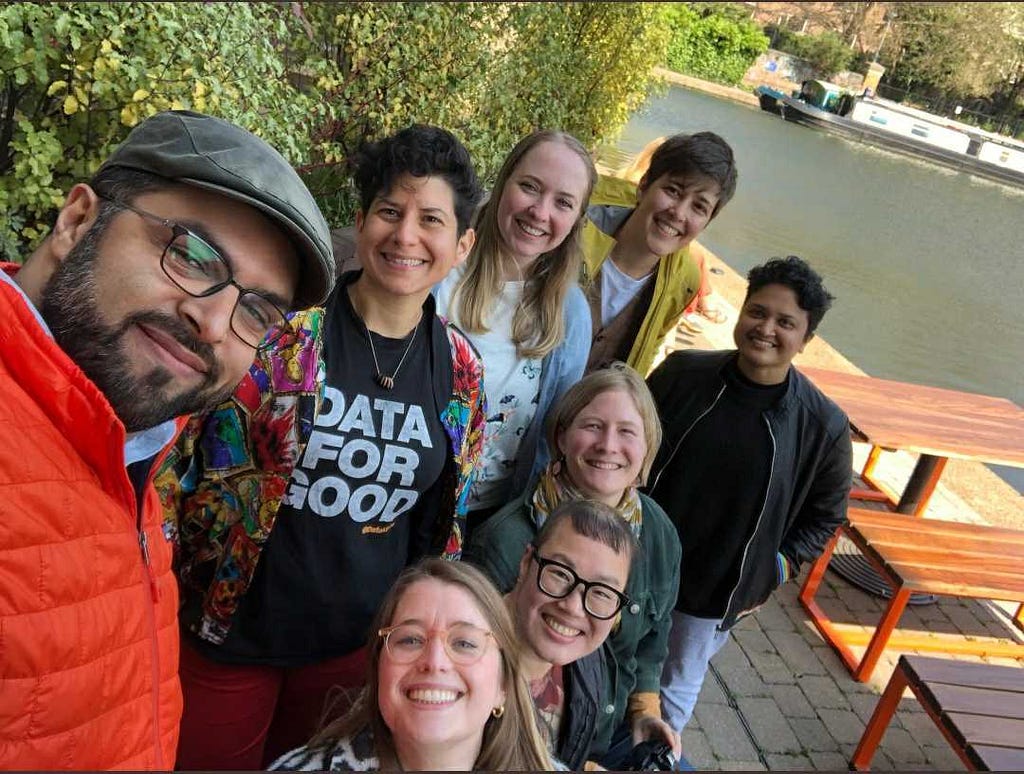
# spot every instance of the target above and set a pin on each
(757, 524)
(682, 438)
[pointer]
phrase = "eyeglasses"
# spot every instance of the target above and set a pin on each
(558, 581)
(197, 268)
(464, 643)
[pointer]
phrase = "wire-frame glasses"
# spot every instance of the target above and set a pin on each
(198, 268)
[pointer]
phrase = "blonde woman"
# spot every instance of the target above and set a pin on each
(518, 301)
(444, 690)
(604, 434)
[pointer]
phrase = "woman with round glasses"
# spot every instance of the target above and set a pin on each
(297, 513)
(604, 434)
(567, 597)
(444, 690)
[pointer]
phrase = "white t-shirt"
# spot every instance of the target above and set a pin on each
(617, 290)
(511, 384)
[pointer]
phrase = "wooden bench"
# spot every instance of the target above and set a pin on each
(927, 556)
(978, 707)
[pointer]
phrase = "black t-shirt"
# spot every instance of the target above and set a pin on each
(715, 490)
(350, 521)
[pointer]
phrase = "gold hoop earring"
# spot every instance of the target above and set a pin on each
(498, 711)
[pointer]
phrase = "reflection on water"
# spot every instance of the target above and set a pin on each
(927, 264)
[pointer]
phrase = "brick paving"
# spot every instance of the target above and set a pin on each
(775, 701)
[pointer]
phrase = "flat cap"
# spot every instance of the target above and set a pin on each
(215, 154)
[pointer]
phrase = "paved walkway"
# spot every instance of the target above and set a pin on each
(778, 697)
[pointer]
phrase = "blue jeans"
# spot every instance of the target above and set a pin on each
(691, 645)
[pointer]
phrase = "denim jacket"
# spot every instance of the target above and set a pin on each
(560, 369)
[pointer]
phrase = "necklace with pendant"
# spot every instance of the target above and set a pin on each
(385, 381)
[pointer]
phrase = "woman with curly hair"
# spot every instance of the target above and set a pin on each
(298, 511)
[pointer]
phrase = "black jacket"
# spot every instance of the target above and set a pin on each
(810, 469)
(582, 681)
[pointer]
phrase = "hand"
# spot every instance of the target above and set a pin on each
(649, 727)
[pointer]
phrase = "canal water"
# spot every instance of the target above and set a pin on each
(927, 265)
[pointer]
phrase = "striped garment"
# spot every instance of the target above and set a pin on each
(355, 754)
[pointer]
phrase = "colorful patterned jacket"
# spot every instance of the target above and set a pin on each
(222, 485)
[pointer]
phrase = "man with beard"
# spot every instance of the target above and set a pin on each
(161, 279)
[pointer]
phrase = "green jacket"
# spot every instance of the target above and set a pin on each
(677, 281)
(637, 649)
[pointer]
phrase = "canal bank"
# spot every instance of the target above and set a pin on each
(708, 87)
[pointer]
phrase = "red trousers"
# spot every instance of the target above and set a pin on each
(242, 718)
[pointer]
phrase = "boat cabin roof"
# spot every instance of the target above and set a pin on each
(821, 94)
(827, 85)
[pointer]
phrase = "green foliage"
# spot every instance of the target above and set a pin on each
(314, 79)
(712, 41)
(954, 49)
(77, 76)
(376, 78)
(826, 51)
(489, 72)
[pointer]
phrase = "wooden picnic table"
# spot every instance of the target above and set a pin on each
(921, 555)
(937, 424)
(979, 708)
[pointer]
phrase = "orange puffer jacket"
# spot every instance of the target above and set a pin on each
(88, 630)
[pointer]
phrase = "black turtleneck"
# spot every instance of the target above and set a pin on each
(716, 489)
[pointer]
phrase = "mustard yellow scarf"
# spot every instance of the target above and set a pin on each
(554, 488)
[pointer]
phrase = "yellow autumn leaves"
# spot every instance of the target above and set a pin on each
(142, 103)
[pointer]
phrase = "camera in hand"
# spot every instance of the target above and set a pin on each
(651, 755)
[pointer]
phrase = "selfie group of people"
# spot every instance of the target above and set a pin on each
(438, 511)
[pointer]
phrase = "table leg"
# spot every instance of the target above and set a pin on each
(880, 718)
(817, 615)
(817, 571)
(869, 464)
(921, 485)
(881, 636)
(875, 491)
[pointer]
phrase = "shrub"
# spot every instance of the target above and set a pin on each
(826, 52)
(315, 80)
(78, 76)
(489, 72)
(712, 43)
